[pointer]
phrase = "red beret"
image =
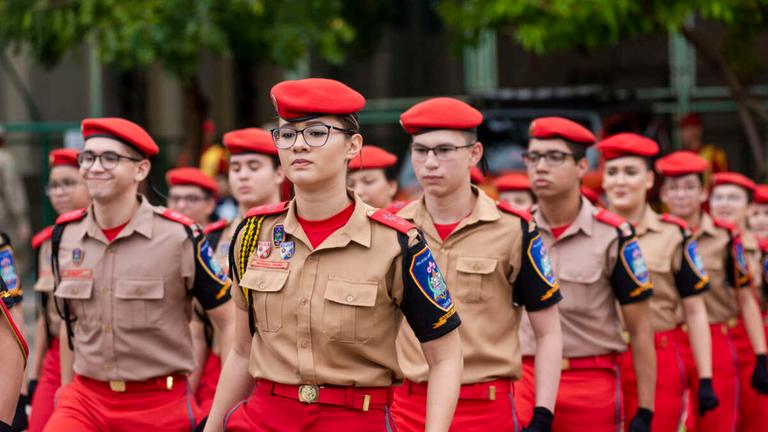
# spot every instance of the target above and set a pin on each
(122, 130)
(558, 127)
(250, 140)
(681, 163)
(627, 144)
(298, 100)
(440, 113)
(63, 156)
(476, 175)
(372, 157)
(193, 177)
(734, 178)
(761, 194)
(690, 119)
(512, 182)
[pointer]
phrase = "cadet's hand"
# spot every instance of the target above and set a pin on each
(642, 421)
(707, 397)
(760, 375)
(541, 422)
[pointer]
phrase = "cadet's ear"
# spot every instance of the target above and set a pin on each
(142, 170)
(354, 145)
(650, 178)
(477, 152)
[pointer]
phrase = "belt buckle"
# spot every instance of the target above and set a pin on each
(169, 382)
(308, 393)
(731, 323)
(565, 365)
(117, 386)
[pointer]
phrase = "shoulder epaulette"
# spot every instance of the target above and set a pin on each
(391, 220)
(215, 226)
(728, 226)
(177, 217)
(507, 208)
(268, 209)
(41, 237)
(671, 219)
(610, 218)
(71, 216)
(763, 245)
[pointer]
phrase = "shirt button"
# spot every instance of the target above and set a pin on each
(108, 366)
(139, 290)
(311, 259)
(350, 298)
(303, 302)
(261, 285)
(105, 290)
(107, 328)
(304, 344)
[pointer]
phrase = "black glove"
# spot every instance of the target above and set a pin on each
(541, 422)
(201, 425)
(20, 420)
(31, 389)
(707, 397)
(760, 375)
(642, 421)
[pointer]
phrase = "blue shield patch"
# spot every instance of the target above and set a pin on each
(765, 267)
(633, 261)
(741, 261)
(427, 276)
(537, 253)
(77, 256)
(286, 250)
(224, 248)
(209, 262)
(278, 234)
(8, 269)
(693, 257)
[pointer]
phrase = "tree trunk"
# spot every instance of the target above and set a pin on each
(740, 96)
(195, 112)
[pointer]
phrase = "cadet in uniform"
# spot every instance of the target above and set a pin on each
(720, 245)
(596, 258)
(373, 176)
(515, 189)
(125, 274)
(192, 193)
(322, 284)
(66, 191)
(729, 201)
(678, 278)
(758, 212)
(494, 257)
(12, 280)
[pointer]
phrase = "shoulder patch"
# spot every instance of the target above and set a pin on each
(632, 259)
(268, 209)
(671, 219)
(177, 217)
(71, 216)
(41, 237)
(507, 208)
(393, 221)
(609, 218)
(215, 226)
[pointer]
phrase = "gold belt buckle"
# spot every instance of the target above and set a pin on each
(117, 386)
(731, 323)
(308, 393)
(169, 382)
(565, 365)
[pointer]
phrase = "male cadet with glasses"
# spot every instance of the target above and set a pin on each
(596, 258)
(192, 193)
(125, 274)
(495, 262)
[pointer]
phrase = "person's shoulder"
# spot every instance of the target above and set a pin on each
(173, 216)
(219, 225)
(268, 209)
(507, 208)
(390, 220)
(41, 237)
(71, 216)
(673, 220)
(610, 219)
(727, 226)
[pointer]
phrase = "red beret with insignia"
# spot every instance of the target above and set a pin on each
(297, 100)
(512, 182)
(476, 175)
(250, 140)
(559, 127)
(122, 130)
(761, 194)
(681, 163)
(690, 119)
(440, 113)
(734, 178)
(372, 157)
(627, 144)
(62, 157)
(192, 177)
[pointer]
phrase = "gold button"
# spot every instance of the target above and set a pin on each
(303, 302)
(107, 327)
(140, 290)
(304, 344)
(350, 298)
(261, 285)
(105, 290)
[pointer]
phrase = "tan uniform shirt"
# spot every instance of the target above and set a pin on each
(672, 265)
(482, 259)
(44, 285)
(754, 257)
(593, 275)
(221, 249)
(131, 298)
(330, 315)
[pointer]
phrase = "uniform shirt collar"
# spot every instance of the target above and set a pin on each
(649, 222)
(584, 220)
(141, 222)
(707, 225)
(357, 229)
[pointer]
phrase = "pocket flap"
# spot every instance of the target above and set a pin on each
(658, 265)
(263, 280)
(352, 293)
(584, 275)
(44, 284)
(75, 289)
(476, 265)
(139, 289)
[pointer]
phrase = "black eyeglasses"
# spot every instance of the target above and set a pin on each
(108, 160)
(315, 135)
(442, 152)
(192, 199)
(552, 158)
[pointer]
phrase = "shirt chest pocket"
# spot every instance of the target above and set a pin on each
(139, 303)
(471, 274)
(266, 289)
(78, 293)
(580, 287)
(349, 314)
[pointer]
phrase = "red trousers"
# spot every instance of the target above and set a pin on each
(753, 407)
(670, 384)
(589, 399)
(206, 389)
(86, 405)
(47, 383)
(276, 408)
(476, 410)
(725, 382)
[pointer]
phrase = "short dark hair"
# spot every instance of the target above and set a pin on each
(350, 121)
(390, 173)
(699, 176)
(579, 151)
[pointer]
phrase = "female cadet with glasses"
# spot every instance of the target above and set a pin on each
(322, 283)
